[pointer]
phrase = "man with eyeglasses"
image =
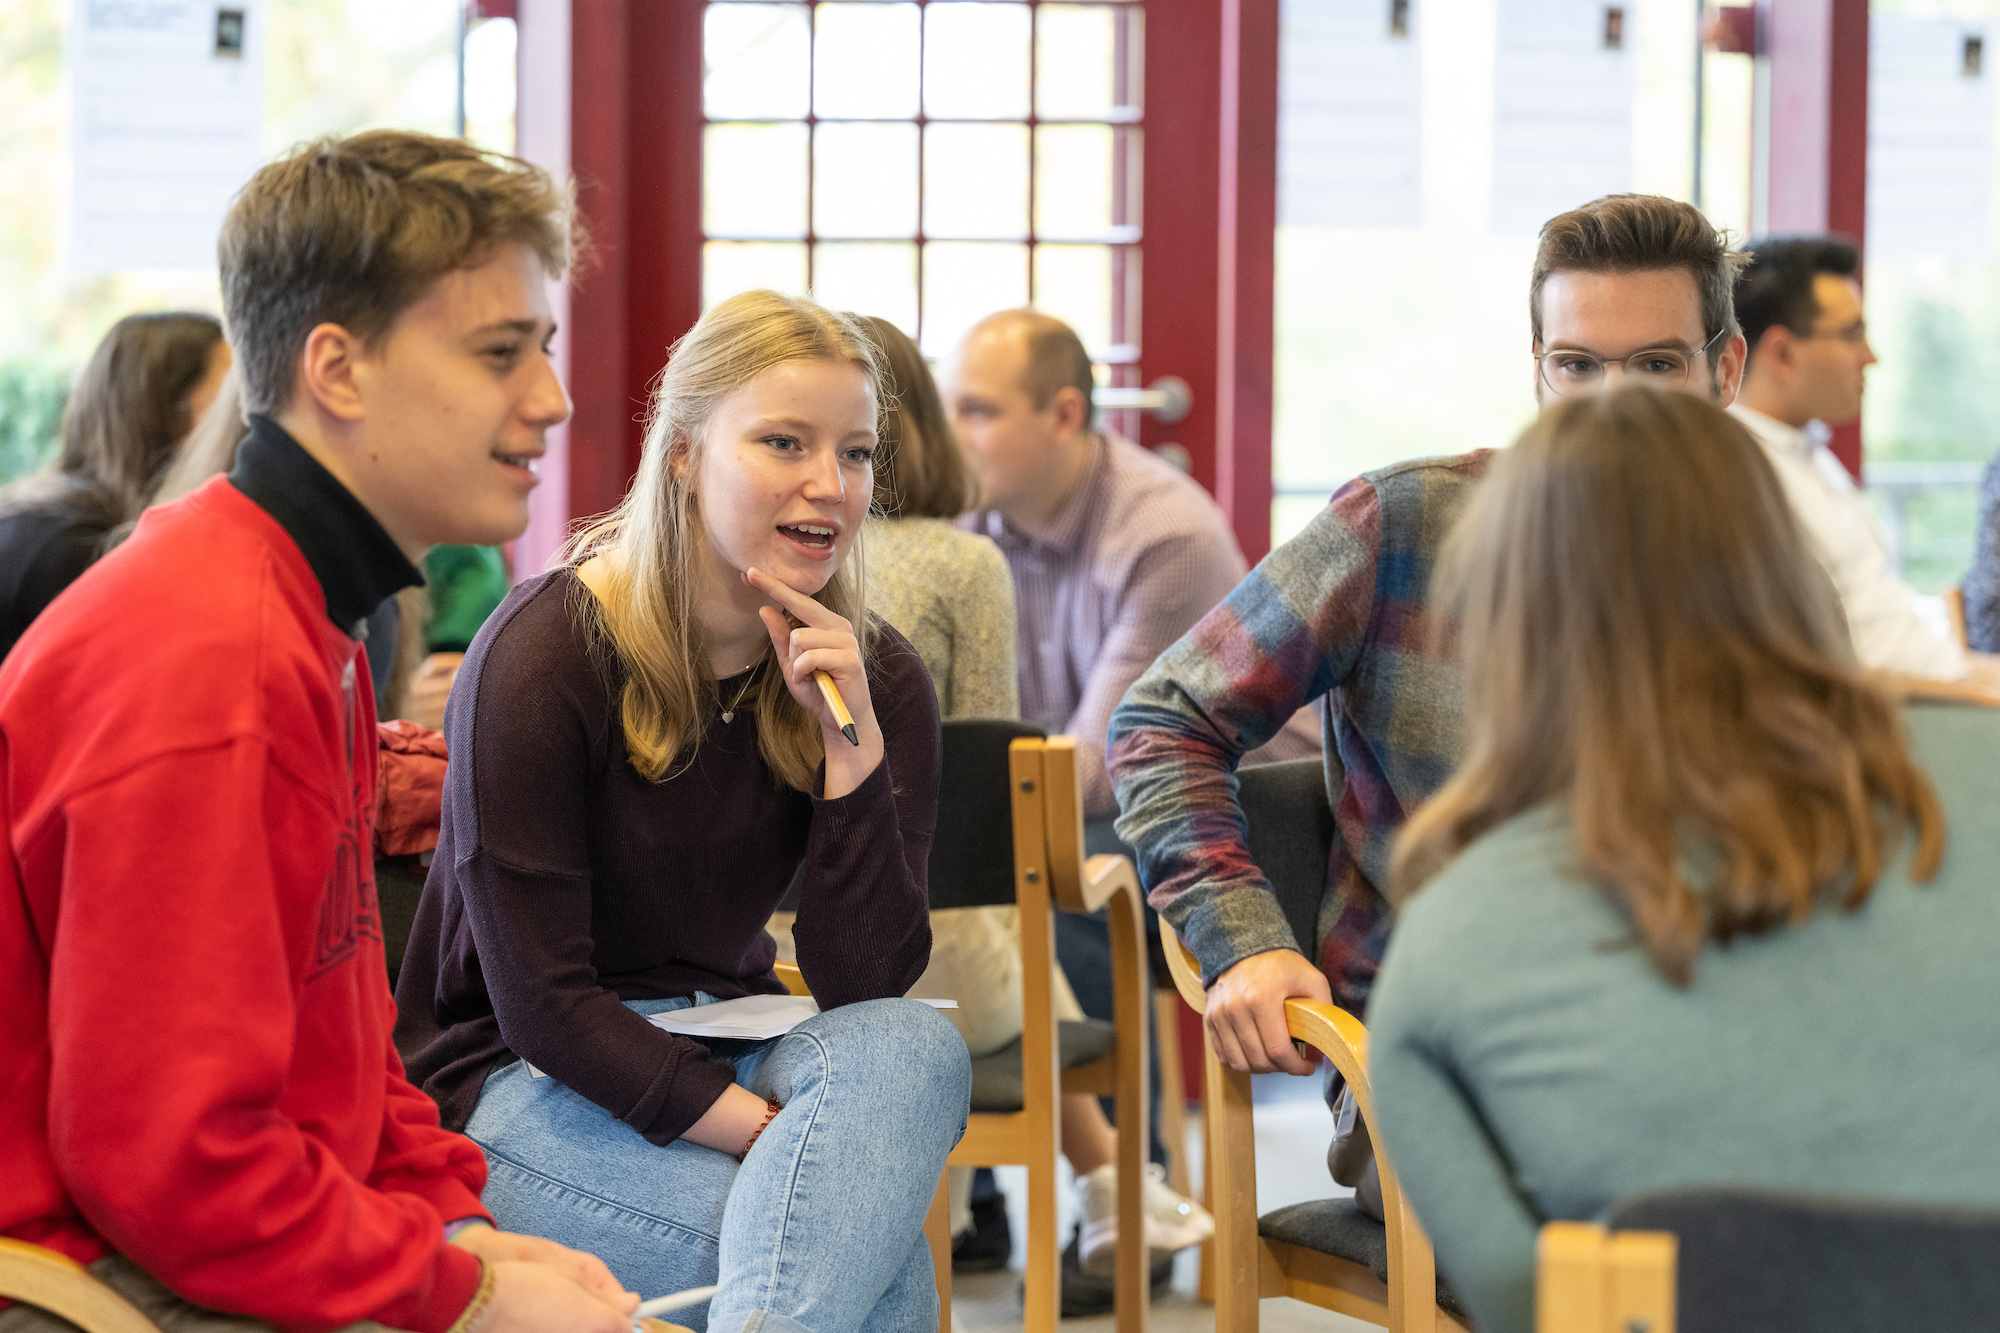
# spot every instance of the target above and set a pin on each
(1800, 308)
(1626, 287)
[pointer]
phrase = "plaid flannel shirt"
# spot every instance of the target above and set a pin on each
(1341, 611)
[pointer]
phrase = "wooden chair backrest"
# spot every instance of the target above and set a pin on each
(1590, 1280)
(1290, 831)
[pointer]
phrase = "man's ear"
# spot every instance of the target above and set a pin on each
(1072, 409)
(326, 372)
(1729, 366)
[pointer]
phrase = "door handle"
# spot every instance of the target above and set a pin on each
(1167, 398)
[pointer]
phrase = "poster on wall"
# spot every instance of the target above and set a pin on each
(1930, 138)
(166, 124)
(1563, 92)
(1350, 105)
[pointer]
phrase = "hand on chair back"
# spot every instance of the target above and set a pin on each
(1246, 1011)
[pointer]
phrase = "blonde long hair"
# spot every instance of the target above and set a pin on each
(1648, 639)
(654, 541)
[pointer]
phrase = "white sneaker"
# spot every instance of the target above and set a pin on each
(1173, 1222)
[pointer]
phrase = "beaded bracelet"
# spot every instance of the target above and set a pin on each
(482, 1298)
(771, 1109)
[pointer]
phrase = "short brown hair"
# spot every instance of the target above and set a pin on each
(919, 472)
(354, 231)
(1632, 233)
(1650, 645)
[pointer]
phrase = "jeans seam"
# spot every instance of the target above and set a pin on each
(792, 1179)
(568, 1187)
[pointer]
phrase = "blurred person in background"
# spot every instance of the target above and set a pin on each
(148, 383)
(1800, 307)
(1698, 869)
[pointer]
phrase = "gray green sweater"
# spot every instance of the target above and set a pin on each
(1529, 1063)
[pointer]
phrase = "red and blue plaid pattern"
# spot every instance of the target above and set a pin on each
(1340, 610)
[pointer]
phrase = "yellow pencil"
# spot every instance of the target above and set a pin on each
(838, 705)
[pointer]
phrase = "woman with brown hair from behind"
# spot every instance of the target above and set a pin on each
(1687, 914)
(144, 388)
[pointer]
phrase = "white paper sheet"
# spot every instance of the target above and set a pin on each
(167, 124)
(751, 1018)
(1350, 103)
(1562, 108)
(1930, 138)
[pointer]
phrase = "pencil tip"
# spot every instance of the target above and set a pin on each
(853, 738)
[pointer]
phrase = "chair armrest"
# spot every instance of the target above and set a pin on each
(795, 980)
(1339, 1036)
(1185, 968)
(56, 1283)
(1104, 877)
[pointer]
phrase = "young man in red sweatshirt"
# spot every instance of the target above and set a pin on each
(198, 1093)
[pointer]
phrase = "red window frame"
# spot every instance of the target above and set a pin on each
(611, 92)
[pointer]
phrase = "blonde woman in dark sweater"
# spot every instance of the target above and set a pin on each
(641, 762)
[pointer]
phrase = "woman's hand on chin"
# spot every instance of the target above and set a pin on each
(823, 641)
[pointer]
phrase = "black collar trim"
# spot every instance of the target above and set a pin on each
(357, 564)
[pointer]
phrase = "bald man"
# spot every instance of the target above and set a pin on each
(1115, 553)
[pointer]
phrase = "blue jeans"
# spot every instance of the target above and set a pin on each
(818, 1230)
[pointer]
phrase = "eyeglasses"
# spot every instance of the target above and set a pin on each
(1857, 332)
(1568, 371)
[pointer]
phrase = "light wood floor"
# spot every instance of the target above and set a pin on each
(1293, 1129)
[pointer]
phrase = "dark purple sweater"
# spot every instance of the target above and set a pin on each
(565, 883)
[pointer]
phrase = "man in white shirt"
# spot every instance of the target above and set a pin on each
(1800, 309)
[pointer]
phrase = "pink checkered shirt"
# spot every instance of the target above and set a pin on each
(1137, 554)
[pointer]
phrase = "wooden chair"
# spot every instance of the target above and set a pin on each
(1725, 1260)
(1010, 832)
(1590, 1280)
(33, 1275)
(1326, 1253)
(57, 1283)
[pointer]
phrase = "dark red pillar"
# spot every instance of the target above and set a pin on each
(1210, 211)
(1815, 152)
(610, 93)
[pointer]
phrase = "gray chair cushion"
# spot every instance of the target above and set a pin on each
(996, 1078)
(1774, 1261)
(1338, 1228)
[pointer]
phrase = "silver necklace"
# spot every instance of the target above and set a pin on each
(729, 713)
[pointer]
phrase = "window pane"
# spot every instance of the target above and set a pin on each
(754, 180)
(868, 280)
(729, 267)
(1086, 182)
(865, 180)
(976, 181)
(1073, 283)
(757, 60)
(976, 61)
(865, 61)
(1087, 61)
(963, 283)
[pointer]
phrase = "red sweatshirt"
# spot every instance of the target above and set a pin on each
(195, 1061)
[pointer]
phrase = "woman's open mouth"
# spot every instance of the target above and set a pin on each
(816, 537)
